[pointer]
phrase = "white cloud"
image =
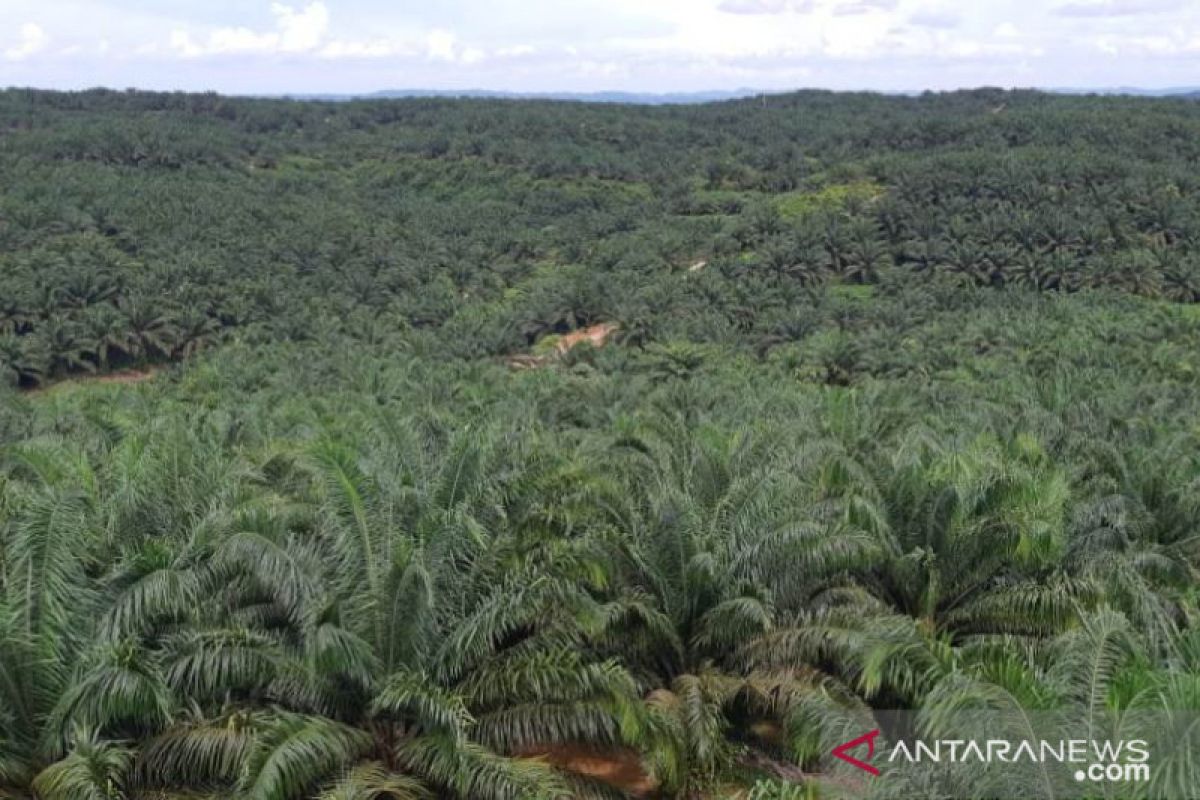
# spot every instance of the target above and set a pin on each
(300, 31)
(306, 31)
(295, 32)
(379, 48)
(855, 38)
(181, 41)
(33, 40)
(1151, 45)
(841, 8)
(773, 36)
(605, 70)
(1116, 8)
(442, 45)
(325, 45)
(850, 8)
(516, 51)
(764, 6)
(943, 20)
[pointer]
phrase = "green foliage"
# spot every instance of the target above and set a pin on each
(899, 418)
(775, 790)
(834, 197)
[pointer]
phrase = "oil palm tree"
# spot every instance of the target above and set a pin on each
(24, 360)
(350, 634)
(716, 542)
(1096, 681)
(971, 540)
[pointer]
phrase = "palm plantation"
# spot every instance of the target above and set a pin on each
(902, 420)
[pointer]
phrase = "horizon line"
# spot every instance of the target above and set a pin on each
(741, 90)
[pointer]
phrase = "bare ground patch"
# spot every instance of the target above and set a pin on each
(619, 768)
(124, 376)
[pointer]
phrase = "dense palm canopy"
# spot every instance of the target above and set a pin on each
(897, 412)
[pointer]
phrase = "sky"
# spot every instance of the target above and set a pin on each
(358, 46)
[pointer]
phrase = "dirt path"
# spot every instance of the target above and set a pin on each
(124, 376)
(620, 769)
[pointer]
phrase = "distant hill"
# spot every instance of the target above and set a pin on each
(1191, 92)
(682, 98)
(630, 98)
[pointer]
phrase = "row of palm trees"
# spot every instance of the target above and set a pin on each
(98, 339)
(387, 609)
(857, 245)
(790, 274)
(284, 211)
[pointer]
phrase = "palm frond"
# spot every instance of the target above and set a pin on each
(372, 781)
(414, 698)
(93, 770)
(472, 772)
(294, 754)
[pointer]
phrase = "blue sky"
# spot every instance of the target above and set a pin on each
(253, 46)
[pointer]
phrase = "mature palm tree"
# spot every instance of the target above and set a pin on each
(1133, 535)
(1180, 276)
(151, 333)
(24, 360)
(1138, 272)
(364, 626)
(1030, 269)
(866, 254)
(16, 314)
(193, 331)
(966, 257)
(46, 603)
(1163, 216)
(105, 331)
(716, 542)
(972, 540)
(1093, 682)
(797, 257)
(67, 344)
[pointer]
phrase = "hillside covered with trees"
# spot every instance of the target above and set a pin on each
(307, 489)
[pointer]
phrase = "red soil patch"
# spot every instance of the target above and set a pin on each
(618, 768)
(595, 334)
